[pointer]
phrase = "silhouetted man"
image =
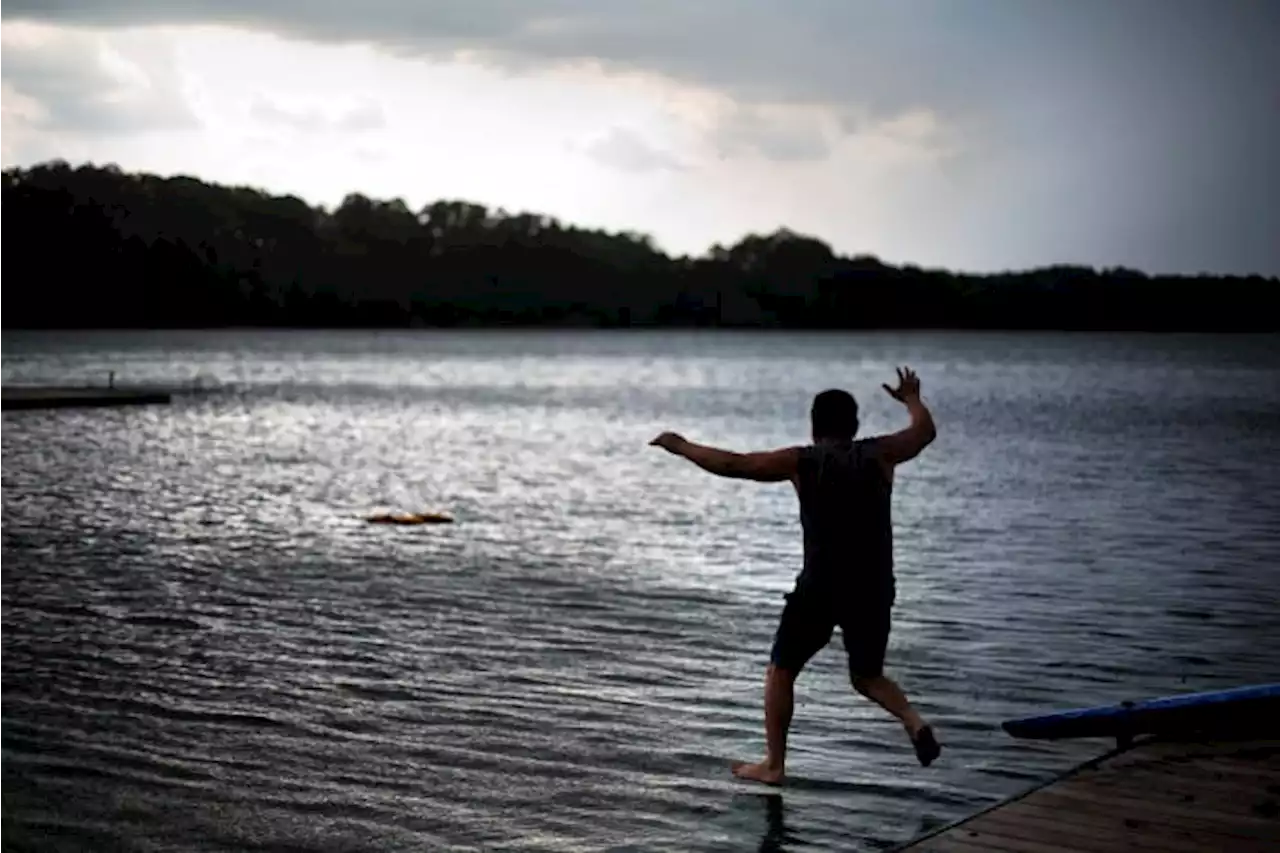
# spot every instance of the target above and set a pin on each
(844, 487)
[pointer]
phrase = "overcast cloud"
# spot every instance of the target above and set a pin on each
(75, 88)
(1143, 129)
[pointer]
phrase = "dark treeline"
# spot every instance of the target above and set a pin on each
(96, 247)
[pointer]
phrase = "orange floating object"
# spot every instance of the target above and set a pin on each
(410, 518)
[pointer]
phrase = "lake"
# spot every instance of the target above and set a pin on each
(206, 647)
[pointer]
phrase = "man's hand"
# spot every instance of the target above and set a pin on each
(670, 442)
(908, 386)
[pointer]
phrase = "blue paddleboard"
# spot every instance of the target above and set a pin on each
(1232, 710)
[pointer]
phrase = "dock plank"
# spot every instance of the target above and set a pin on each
(1159, 795)
(1035, 821)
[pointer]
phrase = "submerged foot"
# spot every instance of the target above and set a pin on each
(764, 772)
(926, 745)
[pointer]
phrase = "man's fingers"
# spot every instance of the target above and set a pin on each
(892, 393)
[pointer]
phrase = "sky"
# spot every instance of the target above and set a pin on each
(976, 135)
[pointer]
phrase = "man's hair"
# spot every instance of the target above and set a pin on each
(834, 414)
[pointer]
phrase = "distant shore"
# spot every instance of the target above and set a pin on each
(98, 248)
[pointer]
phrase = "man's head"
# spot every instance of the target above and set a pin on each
(834, 416)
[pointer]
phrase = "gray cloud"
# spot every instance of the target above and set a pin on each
(627, 151)
(749, 131)
(367, 116)
(1140, 131)
(78, 92)
(882, 57)
(887, 54)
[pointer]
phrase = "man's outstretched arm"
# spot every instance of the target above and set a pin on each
(769, 466)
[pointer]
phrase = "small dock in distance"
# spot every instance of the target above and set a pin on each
(1213, 786)
(81, 396)
(52, 397)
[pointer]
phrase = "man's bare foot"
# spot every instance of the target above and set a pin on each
(762, 772)
(926, 745)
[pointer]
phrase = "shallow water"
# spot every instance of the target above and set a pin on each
(205, 647)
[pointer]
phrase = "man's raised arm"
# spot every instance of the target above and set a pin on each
(906, 444)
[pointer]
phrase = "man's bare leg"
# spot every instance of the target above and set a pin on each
(888, 695)
(779, 702)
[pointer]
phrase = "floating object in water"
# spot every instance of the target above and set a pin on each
(410, 518)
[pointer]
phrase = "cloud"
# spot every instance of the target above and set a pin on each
(1140, 131)
(992, 63)
(877, 59)
(69, 81)
(884, 56)
(18, 112)
(627, 151)
(366, 116)
(776, 134)
(756, 50)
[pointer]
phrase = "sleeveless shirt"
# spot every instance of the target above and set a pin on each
(844, 512)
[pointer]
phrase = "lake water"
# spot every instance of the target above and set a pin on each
(205, 647)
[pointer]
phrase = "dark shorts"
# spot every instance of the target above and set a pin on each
(810, 617)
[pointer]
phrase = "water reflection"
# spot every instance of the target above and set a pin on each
(776, 835)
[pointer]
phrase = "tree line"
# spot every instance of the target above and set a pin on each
(96, 247)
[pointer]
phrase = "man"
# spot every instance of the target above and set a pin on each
(844, 488)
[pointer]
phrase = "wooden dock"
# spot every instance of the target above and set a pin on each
(53, 397)
(1190, 773)
(1176, 796)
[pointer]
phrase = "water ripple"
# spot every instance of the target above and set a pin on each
(205, 647)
